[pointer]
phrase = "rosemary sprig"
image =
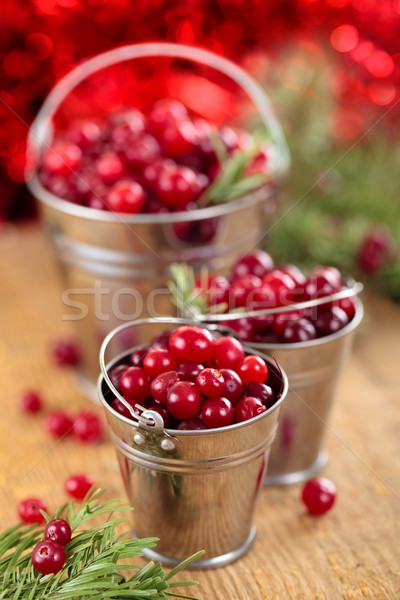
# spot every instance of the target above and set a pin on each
(232, 181)
(189, 299)
(92, 570)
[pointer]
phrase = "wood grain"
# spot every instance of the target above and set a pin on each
(352, 553)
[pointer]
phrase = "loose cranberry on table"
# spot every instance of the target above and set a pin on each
(65, 352)
(59, 424)
(318, 495)
(79, 485)
(30, 402)
(88, 427)
(29, 510)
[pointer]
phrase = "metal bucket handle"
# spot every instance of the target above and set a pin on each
(354, 288)
(41, 126)
(148, 420)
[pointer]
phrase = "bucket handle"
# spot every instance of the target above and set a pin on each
(41, 126)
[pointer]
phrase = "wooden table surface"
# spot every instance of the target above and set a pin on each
(352, 553)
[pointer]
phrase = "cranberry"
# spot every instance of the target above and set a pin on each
(110, 167)
(243, 326)
(29, 510)
(153, 170)
(301, 330)
(120, 408)
(257, 263)
(177, 186)
(318, 495)
(85, 134)
(217, 412)
(214, 288)
(65, 353)
(115, 375)
(282, 319)
(30, 402)
(179, 138)
(317, 286)
(247, 408)
(88, 428)
(188, 370)
(227, 353)
(126, 197)
(125, 129)
(260, 163)
(377, 247)
(192, 424)
(58, 530)
(258, 300)
(190, 342)
(48, 557)
(143, 152)
(233, 389)
(183, 400)
(161, 339)
(58, 424)
(332, 274)
(166, 417)
(243, 287)
(61, 159)
(329, 320)
(210, 382)
(78, 486)
(294, 272)
(157, 361)
(135, 383)
(163, 112)
(348, 305)
(253, 369)
(137, 356)
(280, 283)
(160, 385)
(263, 392)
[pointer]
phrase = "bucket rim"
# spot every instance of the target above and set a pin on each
(351, 325)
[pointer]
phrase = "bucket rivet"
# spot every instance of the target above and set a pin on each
(167, 444)
(139, 439)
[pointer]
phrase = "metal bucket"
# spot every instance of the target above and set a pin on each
(192, 489)
(115, 267)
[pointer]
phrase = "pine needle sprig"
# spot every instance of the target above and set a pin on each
(92, 569)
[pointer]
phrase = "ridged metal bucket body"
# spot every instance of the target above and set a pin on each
(112, 264)
(202, 493)
(313, 370)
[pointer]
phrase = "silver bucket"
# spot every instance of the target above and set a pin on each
(115, 268)
(195, 490)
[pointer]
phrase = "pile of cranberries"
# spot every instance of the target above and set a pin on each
(156, 161)
(256, 284)
(193, 380)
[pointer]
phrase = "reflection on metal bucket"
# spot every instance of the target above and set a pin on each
(192, 489)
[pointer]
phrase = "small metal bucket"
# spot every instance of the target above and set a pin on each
(313, 369)
(115, 267)
(195, 490)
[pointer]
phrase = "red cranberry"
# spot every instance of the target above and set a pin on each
(377, 247)
(143, 152)
(317, 286)
(161, 339)
(85, 134)
(330, 273)
(280, 283)
(65, 353)
(58, 530)
(214, 288)
(210, 382)
(160, 385)
(29, 510)
(192, 424)
(301, 330)
(257, 263)
(243, 327)
(137, 356)
(188, 370)
(115, 375)
(125, 129)
(153, 170)
(233, 389)
(217, 412)
(178, 186)
(318, 495)
(243, 287)
(120, 408)
(135, 383)
(179, 138)
(157, 361)
(258, 300)
(189, 342)
(126, 197)
(110, 167)
(48, 557)
(183, 400)
(227, 353)
(61, 159)
(78, 486)
(330, 320)
(30, 402)
(260, 163)
(294, 272)
(349, 306)
(58, 424)
(163, 112)
(263, 392)
(88, 428)
(282, 319)
(166, 417)
(252, 369)
(247, 408)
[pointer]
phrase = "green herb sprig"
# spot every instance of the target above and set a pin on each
(92, 570)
